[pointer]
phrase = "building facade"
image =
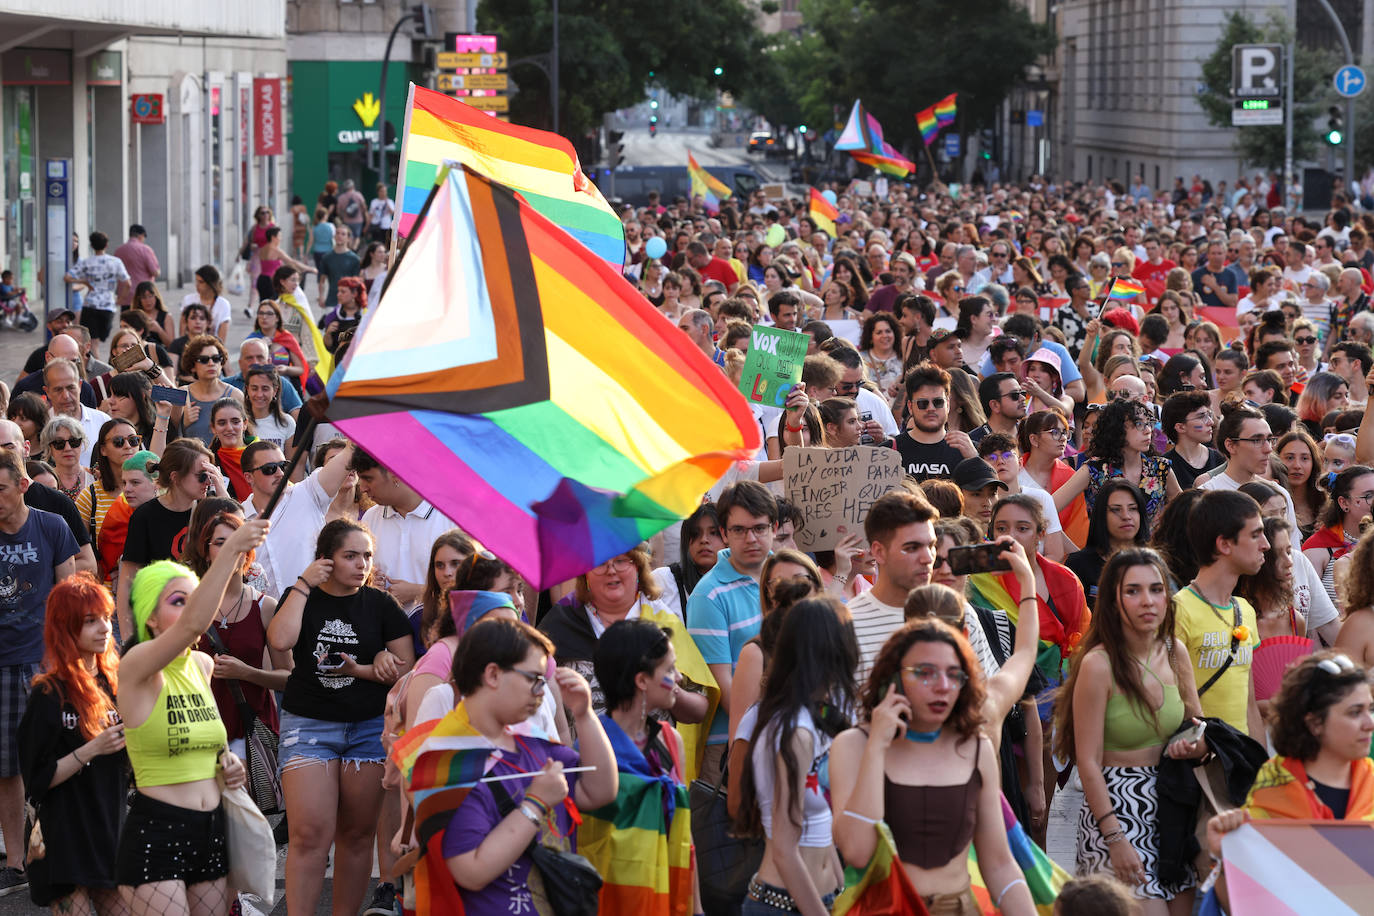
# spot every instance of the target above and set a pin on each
(78, 75)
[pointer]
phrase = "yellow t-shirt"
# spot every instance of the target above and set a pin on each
(1208, 638)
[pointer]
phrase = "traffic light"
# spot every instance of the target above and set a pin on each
(653, 119)
(424, 18)
(720, 71)
(1335, 126)
(615, 150)
(801, 129)
(653, 103)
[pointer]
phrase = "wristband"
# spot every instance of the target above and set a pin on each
(793, 429)
(538, 803)
(530, 815)
(78, 758)
(305, 596)
(843, 580)
(1028, 598)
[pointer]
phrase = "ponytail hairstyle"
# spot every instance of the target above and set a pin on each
(70, 603)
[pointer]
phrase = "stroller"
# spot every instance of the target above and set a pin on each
(14, 310)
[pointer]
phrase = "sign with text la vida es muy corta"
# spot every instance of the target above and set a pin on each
(835, 487)
(773, 364)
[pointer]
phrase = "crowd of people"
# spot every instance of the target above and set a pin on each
(1132, 552)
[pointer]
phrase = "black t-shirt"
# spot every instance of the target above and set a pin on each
(1087, 565)
(359, 625)
(155, 533)
(41, 496)
(1185, 473)
(1224, 278)
(923, 461)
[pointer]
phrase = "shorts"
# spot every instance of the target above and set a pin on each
(162, 842)
(15, 681)
(317, 739)
(97, 321)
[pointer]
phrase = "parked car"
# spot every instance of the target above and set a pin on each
(763, 142)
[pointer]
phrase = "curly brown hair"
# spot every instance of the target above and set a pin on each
(192, 349)
(1309, 689)
(966, 716)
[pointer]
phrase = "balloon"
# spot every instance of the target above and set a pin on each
(775, 237)
(655, 247)
(829, 195)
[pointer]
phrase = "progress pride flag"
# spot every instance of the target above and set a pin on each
(268, 115)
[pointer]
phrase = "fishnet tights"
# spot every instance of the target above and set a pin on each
(173, 898)
(107, 901)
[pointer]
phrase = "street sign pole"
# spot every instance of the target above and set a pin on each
(1289, 54)
(1348, 139)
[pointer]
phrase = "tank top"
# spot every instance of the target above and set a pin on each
(1128, 726)
(816, 817)
(245, 639)
(945, 825)
(201, 428)
(182, 737)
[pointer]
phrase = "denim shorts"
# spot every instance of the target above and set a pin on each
(317, 739)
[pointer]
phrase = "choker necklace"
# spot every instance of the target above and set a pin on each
(922, 737)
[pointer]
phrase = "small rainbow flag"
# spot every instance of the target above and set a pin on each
(705, 185)
(1124, 289)
(823, 213)
(928, 124)
(1043, 875)
(946, 108)
(541, 165)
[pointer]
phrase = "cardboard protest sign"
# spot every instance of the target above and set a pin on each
(836, 487)
(773, 364)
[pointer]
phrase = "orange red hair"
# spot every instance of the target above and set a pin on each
(70, 602)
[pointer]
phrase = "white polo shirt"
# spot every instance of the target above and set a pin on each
(91, 421)
(404, 540)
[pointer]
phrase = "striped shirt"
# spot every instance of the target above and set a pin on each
(874, 622)
(722, 615)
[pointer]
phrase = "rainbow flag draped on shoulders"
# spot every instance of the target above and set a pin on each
(708, 187)
(641, 843)
(863, 139)
(882, 888)
(523, 387)
(541, 165)
(692, 666)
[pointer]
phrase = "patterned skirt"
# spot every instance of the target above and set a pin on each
(1134, 795)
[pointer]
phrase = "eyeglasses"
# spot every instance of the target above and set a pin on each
(272, 468)
(759, 532)
(1017, 395)
(615, 564)
(1142, 425)
(927, 403)
(1336, 665)
(207, 360)
(1203, 417)
(999, 456)
(537, 681)
(1257, 439)
(1344, 439)
(928, 675)
(63, 444)
(1304, 341)
(1059, 435)
(119, 441)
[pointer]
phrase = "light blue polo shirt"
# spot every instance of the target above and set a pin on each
(1067, 366)
(722, 615)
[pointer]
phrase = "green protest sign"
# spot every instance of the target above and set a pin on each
(773, 364)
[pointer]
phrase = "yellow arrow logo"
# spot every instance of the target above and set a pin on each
(367, 109)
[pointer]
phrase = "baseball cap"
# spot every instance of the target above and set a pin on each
(940, 335)
(62, 312)
(974, 474)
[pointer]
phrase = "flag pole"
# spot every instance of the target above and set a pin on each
(934, 172)
(317, 404)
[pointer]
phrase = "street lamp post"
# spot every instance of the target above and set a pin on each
(413, 15)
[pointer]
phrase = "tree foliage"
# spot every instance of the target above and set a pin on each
(1312, 69)
(898, 56)
(609, 48)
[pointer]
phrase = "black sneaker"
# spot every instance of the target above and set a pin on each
(383, 901)
(12, 881)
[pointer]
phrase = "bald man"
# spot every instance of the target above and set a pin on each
(62, 346)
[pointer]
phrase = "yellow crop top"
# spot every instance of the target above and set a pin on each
(182, 738)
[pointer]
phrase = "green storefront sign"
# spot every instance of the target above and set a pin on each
(335, 112)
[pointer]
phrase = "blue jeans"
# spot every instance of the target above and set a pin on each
(308, 739)
(752, 907)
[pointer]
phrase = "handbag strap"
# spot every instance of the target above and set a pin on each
(245, 711)
(1230, 657)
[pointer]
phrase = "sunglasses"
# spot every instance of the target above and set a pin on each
(1304, 341)
(1336, 665)
(73, 442)
(207, 360)
(272, 468)
(927, 403)
(119, 441)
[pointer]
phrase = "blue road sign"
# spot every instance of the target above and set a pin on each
(952, 146)
(1035, 118)
(1349, 81)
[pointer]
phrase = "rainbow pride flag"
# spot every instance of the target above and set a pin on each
(708, 187)
(928, 124)
(1125, 289)
(541, 165)
(515, 380)
(882, 888)
(1043, 875)
(946, 109)
(862, 138)
(823, 213)
(641, 843)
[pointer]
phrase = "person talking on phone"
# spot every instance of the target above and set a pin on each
(157, 529)
(921, 763)
(1129, 690)
(348, 642)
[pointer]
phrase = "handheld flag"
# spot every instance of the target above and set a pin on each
(823, 213)
(710, 188)
(928, 124)
(541, 165)
(946, 108)
(516, 381)
(1124, 289)
(862, 138)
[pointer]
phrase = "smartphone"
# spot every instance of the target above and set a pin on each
(864, 419)
(331, 661)
(170, 395)
(979, 558)
(1194, 733)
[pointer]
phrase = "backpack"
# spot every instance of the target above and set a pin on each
(352, 210)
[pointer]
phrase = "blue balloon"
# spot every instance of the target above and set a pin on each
(829, 195)
(655, 247)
